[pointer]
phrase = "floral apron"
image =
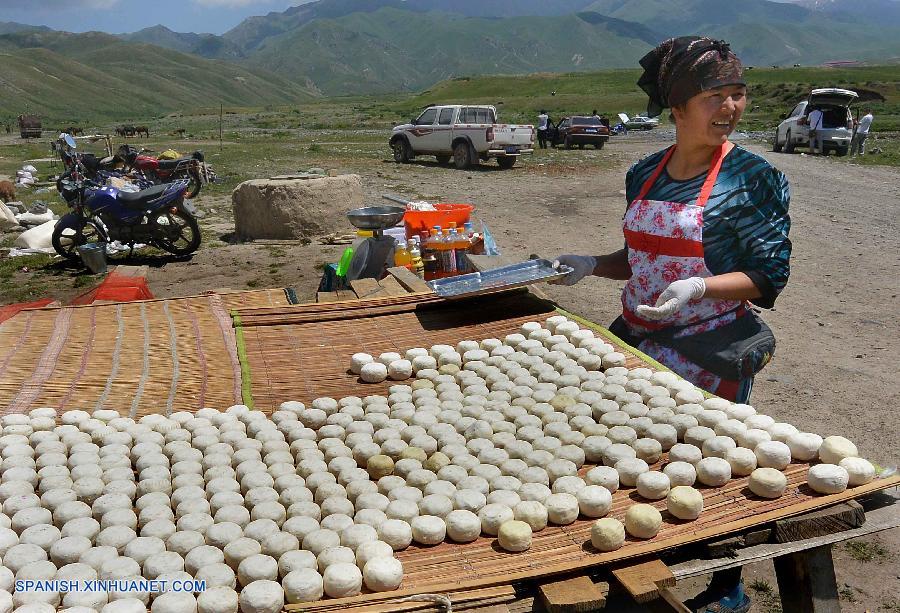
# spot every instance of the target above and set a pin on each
(665, 244)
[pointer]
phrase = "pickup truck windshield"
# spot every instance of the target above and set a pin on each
(476, 115)
(586, 121)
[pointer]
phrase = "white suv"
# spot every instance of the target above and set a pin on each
(466, 134)
(837, 122)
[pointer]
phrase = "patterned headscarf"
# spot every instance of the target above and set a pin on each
(681, 68)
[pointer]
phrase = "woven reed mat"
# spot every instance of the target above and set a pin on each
(558, 549)
(274, 297)
(153, 356)
(302, 352)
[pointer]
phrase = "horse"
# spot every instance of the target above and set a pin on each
(139, 130)
(7, 191)
(179, 132)
(74, 131)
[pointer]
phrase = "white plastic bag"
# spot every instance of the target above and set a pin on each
(35, 219)
(7, 218)
(39, 237)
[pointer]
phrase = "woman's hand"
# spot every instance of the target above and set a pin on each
(673, 299)
(728, 286)
(581, 265)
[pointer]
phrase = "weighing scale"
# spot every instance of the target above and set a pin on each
(374, 255)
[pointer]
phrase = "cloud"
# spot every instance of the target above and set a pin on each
(226, 3)
(46, 6)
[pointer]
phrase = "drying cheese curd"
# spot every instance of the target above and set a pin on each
(490, 438)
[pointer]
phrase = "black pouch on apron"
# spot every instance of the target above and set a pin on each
(734, 351)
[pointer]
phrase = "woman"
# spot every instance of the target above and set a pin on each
(706, 232)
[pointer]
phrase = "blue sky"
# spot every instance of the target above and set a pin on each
(119, 16)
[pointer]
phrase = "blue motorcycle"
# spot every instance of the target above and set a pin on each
(159, 216)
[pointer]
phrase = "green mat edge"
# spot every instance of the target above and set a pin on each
(246, 379)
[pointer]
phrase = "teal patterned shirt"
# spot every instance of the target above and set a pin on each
(745, 222)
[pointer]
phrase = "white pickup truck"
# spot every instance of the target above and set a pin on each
(466, 133)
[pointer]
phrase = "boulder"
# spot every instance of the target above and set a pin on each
(294, 208)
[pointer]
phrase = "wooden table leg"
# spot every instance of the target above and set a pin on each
(807, 583)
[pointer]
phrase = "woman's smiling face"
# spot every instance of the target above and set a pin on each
(710, 116)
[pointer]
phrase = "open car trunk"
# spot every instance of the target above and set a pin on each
(832, 116)
(832, 96)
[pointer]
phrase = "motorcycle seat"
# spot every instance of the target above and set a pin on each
(139, 200)
(170, 164)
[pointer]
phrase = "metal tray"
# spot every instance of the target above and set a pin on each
(498, 279)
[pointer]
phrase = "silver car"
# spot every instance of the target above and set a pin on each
(837, 122)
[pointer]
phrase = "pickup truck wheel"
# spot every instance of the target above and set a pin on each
(506, 162)
(777, 146)
(461, 156)
(788, 144)
(402, 151)
(568, 143)
(443, 160)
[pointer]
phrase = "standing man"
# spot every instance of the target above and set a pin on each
(543, 121)
(858, 144)
(815, 124)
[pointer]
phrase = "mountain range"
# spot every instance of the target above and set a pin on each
(341, 47)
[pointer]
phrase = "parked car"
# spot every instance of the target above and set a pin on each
(837, 122)
(580, 131)
(642, 123)
(466, 134)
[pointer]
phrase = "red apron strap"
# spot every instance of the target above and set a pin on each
(645, 188)
(713, 173)
(708, 184)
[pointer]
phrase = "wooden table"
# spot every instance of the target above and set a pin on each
(399, 282)
(799, 546)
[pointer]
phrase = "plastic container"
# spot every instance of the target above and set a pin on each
(419, 221)
(94, 256)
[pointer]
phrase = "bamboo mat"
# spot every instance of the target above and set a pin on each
(300, 353)
(558, 549)
(153, 356)
(256, 298)
(308, 356)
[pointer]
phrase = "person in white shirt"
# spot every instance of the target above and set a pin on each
(815, 124)
(858, 144)
(543, 125)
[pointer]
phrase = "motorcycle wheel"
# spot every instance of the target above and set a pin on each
(72, 231)
(176, 232)
(194, 185)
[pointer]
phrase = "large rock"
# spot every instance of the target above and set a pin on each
(294, 208)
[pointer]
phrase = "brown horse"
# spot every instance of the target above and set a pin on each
(7, 191)
(139, 130)
(74, 131)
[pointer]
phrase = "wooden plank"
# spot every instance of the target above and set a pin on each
(462, 600)
(574, 595)
(877, 520)
(368, 288)
(346, 294)
(840, 517)
(806, 582)
(392, 286)
(668, 602)
(726, 548)
(323, 297)
(409, 280)
(643, 580)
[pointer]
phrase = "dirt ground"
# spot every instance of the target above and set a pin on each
(835, 370)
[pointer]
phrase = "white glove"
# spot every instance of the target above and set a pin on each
(582, 266)
(673, 299)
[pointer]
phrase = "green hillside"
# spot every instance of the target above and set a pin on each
(88, 77)
(391, 50)
(764, 32)
(772, 92)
